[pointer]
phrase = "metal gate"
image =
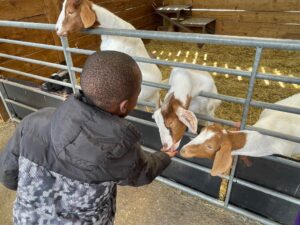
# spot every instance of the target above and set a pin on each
(249, 191)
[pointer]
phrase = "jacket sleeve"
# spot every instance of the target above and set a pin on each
(146, 167)
(9, 157)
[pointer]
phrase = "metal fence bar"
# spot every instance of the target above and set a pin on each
(39, 62)
(259, 43)
(245, 116)
(36, 90)
(215, 201)
(235, 180)
(37, 77)
(31, 44)
(265, 76)
(204, 117)
(283, 78)
(193, 165)
(68, 58)
(268, 191)
(21, 105)
(173, 36)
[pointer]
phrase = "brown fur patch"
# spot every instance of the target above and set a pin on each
(176, 127)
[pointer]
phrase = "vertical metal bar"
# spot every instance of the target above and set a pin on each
(69, 61)
(244, 118)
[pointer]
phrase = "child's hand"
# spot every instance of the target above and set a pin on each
(171, 154)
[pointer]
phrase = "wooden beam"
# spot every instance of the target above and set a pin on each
(3, 114)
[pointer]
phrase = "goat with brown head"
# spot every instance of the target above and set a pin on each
(172, 119)
(75, 15)
(215, 143)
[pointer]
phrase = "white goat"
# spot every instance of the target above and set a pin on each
(78, 14)
(218, 144)
(182, 100)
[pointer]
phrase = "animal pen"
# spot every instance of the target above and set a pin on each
(268, 191)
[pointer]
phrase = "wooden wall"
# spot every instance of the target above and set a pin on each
(261, 18)
(138, 12)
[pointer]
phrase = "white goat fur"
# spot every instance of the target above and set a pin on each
(130, 46)
(186, 82)
(286, 123)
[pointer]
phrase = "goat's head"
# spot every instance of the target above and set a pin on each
(75, 15)
(215, 143)
(172, 119)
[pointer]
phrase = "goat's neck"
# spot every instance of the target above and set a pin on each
(109, 20)
(259, 145)
(238, 139)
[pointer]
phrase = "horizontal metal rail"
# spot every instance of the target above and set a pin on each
(215, 201)
(173, 36)
(265, 76)
(258, 43)
(36, 90)
(204, 117)
(37, 77)
(39, 62)
(195, 166)
(235, 180)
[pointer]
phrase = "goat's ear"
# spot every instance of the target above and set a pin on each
(167, 101)
(223, 158)
(188, 118)
(88, 16)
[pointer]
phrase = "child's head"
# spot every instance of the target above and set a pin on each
(111, 81)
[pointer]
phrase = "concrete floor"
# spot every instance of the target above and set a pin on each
(152, 204)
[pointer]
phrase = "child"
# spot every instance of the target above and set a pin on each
(65, 163)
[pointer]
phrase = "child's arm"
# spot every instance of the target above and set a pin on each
(146, 167)
(9, 167)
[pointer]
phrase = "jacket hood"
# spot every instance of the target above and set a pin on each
(84, 135)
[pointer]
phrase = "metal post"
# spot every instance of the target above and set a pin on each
(244, 118)
(69, 61)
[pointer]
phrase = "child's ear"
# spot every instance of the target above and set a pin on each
(124, 106)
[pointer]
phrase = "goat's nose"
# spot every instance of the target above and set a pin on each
(61, 33)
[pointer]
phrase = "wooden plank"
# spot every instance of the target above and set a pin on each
(120, 5)
(250, 5)
(37, 36)
(256, 29)
(251, 17)
(16, 10)
(52, 10)
(133, 13)
(3, 114)
(44, 55)
(145, 21)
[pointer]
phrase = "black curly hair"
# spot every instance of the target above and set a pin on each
(109, 77)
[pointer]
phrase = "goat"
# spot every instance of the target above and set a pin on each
(180, 104)
(79, 14)
(219, 144)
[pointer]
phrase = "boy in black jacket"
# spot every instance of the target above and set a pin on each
(65, 163)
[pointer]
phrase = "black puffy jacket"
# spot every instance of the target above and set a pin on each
(65, 164)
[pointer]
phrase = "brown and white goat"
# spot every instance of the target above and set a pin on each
(216, 143)
(181, 102)
(79, 14)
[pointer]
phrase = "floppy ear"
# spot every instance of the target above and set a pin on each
(87, 15)
(188, 118)
(223, 158)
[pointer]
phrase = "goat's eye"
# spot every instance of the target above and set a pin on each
(210, 147)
